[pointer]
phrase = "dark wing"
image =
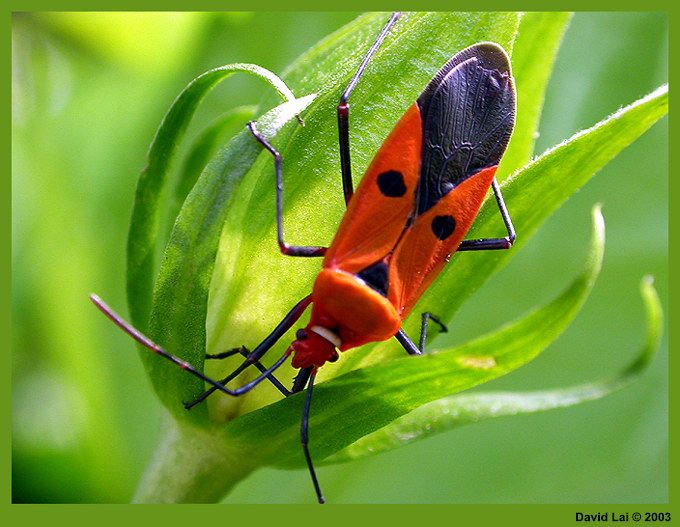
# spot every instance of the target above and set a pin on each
(468, 113)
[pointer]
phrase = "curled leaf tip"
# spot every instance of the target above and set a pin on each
(654, 317)
(467, 408)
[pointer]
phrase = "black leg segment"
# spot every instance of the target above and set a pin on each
(486, 244)
(409, 345)
(291, 318)
(423, 328)
(155, 348)
(290, 250)
(229, 353)
(343, 111)
(245, 352)
(304, 436)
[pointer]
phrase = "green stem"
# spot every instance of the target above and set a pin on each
(191, 465)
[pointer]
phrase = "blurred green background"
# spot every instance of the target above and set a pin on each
(89, 91)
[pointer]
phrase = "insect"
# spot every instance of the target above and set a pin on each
(409, 214)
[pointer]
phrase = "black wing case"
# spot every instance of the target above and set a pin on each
(468, 113)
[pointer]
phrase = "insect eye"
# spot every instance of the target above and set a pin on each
(300, 334)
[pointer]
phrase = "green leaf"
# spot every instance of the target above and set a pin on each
(358, 403)
(254, 285)
(451, 412)
(538, 38)
(532, 194)
(203, 149)
(181, 292)
(143, 237)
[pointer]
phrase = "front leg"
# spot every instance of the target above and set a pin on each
(290, 250)
(343, 111)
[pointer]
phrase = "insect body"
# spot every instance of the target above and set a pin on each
(410, 212)
(413, 207)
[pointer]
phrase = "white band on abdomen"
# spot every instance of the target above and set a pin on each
(327, 334)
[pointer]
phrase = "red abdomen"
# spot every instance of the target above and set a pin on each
(358, 313)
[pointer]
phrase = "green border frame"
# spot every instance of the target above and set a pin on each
(461, 515)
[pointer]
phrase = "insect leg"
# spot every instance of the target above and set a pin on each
(245, 352)
(301, 379)
(229, 353)
(343, 111)
(253, 357)
(423, 328)
(485, 244)
(304, 436)
(409, 345)
(152, 346)
(290, 250)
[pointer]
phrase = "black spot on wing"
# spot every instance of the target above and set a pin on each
(443, 226)
(468, 113)
(391, 184)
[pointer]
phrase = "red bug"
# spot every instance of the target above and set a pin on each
(411, 211)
